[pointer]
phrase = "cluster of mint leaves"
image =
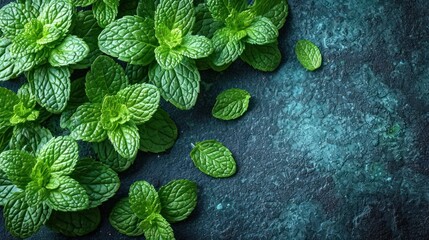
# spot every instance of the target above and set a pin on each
(164, 44)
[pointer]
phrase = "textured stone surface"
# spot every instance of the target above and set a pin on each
(339, 153)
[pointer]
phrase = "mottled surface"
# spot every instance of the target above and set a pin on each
(339, 153)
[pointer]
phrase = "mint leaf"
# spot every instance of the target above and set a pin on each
(205, 25)
(13, 18)
(144, 199)
(275, 10)
(175, 14)
(227, 46)
(72, 50)
(124, 220)
(308, 55)
(158, 134)
(131, 39)
(18, 166)
(99, 181)
(180, 85)
(86, 124)
(23, 220)
(77, 98)
(34, 193)
(167, 58)
(29, 137)
(8, 100)
(136, 74)
(108, 156)
(178, 199)
(51, 86)
(157, 228)
(142, 101)
(75, 224)
(125, 139)
(105, 11)
(105, 78)
(213, 159)
(86, 28)
(8, 65)
(231, 104)
(69, 196)
(129, 8)
(50, 34)
(262, 57)
(196, 46)
(82, 3)
(7, 188)
(58, 14)
(114, 112)
(60, 154)
(221, 9)
(261, 31)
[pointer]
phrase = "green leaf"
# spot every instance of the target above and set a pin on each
(124, 219)
(77, 98)
(34, 193)
(9, 68)
(58, 14)
(29, 61)
(129, 8)
(69, 196)
(75, 224)
(231, 104)
(105, 78)
(51, 86)
(221, 9)
(178, 199)
(167, 58)
(50, 34)
(86, 124)
(86, 28)
(60, 154)
(275, 10)
(8, 99)
(213, 159)
(26, 96)
(144, 199)
(29, 137)
(157, 228)
(105, 12)
(136, 74)
(262, 57)
(308, 55)
(131, 39)
(147, 8)
(72, 50)
(83, 3)
(175, 14)
(261, 31)
(196, 47)
(227, 46)
(23, 220)
(17, 165)
(125, 139)
(180, 85)
(13, 18)
(108, 155)
(205, 25)
(114, 112)
(158, 134)
(142, 101)
(7, 188)
(99, 181)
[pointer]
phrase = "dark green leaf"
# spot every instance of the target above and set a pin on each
(144, 199)
(124, 220)
(8, 100)
(227, 46)
(17, 165)
(108, 155)
(7, 188)
(75, 224)
(137, 74)
(105, 12)
(175, 14)
(29, 137)
(275, 10)
(178, 199)
(69, 196)
(13, 18)
(262, 57)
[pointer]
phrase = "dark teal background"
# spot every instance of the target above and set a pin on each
(316, 157)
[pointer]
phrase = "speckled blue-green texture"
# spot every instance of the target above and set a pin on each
(339, 153)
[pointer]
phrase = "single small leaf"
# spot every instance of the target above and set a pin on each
(60, 154)
(175, 14)
(108, 156)
(13, 18)
(8, 99)
(136, 74)
(167, 58)
(51, 86)
(231, 104)
(179, 86)
(17, 165)
(86, 124)
(124, 219)
(23, 220)
(131, 39)
(7, 188)
(99, 181)
(58, 14)
(227, 46)
(308, 55)
(196, 46)
(105, 13)
(29, 137)
(69, 196)
(125, 139)
(142, 101)
(157, 228)
(72, 50)
(261, 31)
(214, 159)
(105, 78)
(158, 134)
(144, 199)
(262, 57)
(178, 199)
(75, 224)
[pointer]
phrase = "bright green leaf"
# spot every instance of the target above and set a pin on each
(157, 228)
(105, 13)
(72, 50)
(34, 193)
(17, 165)
(175, 14)
(125, 139)
(124, 219)
(308, 55)
(214, 159)
(227, 46)
(69, 196)
(144, 199)
(108, 155)
(13, 18)
(58, 14)
(50, 34)
(262, 57)
(114, 113)
(60, 154)
(231, 104)
(178, 199)
(75, 224)
(275, 10)
(196, 46)
(221, 9)
(261, 31)
(167, 58)
(86, 124)
(29, 137)
(7, 188)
